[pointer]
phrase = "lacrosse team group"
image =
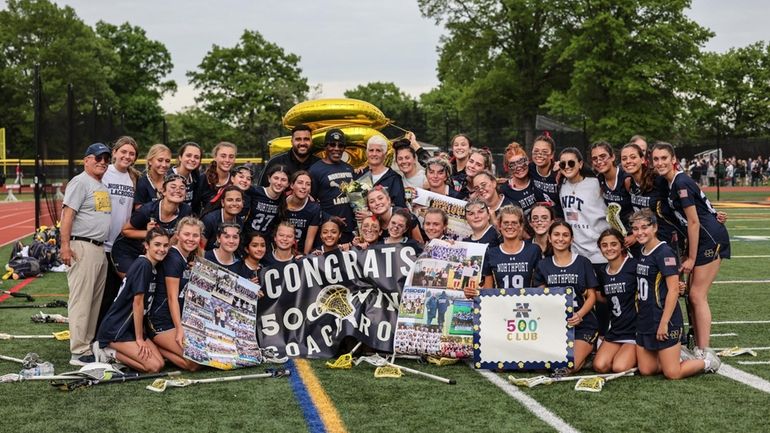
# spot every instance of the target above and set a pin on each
(629, 234)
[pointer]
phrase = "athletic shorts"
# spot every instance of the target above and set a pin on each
(125, 336)
(123, 255)
(650, 342)
(588, 335)
(620, 337)
(157, 324)
(709, 250)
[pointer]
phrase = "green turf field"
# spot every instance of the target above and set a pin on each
(702, 403)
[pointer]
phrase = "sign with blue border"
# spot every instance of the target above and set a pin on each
(523, 329)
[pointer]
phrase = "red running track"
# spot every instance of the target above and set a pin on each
(17, 220)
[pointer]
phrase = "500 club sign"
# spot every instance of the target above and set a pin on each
(311, 304)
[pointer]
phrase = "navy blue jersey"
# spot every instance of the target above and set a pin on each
(525, 198)
(656, 199)
(491, 237)
(684, 192)
(620, 291)
(191, 189)
(307, 216)
(264, 212)
(248, 199)
(618, 193)
(211, 223)
(173, 266)
(326, 189)
(145, 191)
(118, 323)
(212, 257)
(548, 188)
(208, 194)
(242, 269)
(393, 182)
(652, 270)
(579, 275)
(270, 260)
(459, 182)
(511, 270)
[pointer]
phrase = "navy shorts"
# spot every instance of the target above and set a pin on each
(158, 324)
(650, 341)
(614, 337)
(586, 334)
(123, 255)
(709, 250)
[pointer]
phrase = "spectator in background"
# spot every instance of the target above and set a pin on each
(85, 225)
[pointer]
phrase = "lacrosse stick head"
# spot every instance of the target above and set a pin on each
(613, 218)
(10, 377)
(529, 382)
(160, 385)
(590, 384)
(337, 301)
(343, 362)
(31, 360)
(375, 360)
(62, 336)
(388, 371)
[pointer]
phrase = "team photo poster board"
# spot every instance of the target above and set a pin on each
(220, 318)
(458, 227)
(435, 318)
(312, 304)
(523, 329)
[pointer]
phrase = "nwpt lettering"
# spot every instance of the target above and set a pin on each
(572, 202)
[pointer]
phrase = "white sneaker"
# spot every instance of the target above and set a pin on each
(79, 359)
(712, 360)
(699, 353)
(686, 354)
(103, 355)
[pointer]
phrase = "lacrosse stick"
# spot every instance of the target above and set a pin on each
(337, 301)
(42, 317)
(595, 384)
(379, 361)
(61, 336)
(108, 379)
(13, 377)
(31, 360)
(160, 385)
(532, 382)
(687, 340)
(29, 298)
(53, 304)
(613, 218)
(345, 361)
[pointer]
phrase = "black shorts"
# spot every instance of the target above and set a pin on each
(587, 334)
(157, 324)
(709, 250)
(614, 337)
(650, 341)
(124, 252)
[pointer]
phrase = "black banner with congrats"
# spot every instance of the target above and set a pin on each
(311, 304)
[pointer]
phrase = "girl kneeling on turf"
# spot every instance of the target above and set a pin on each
(618, 289)
(165, 314)
(659, 321)
(122, 330)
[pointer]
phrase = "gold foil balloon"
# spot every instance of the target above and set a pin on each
(321, 113)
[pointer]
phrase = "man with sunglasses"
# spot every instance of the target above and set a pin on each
(85, 224)
(327, 175)
(299, 157)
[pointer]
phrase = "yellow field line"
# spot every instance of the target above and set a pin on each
(324, 405)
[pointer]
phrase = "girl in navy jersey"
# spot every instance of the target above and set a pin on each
(227, 211)
(485, 186)
(478, 161)
(438, 177)
(148, 186)
(480, 220)
(612, 181)
(659, 320)
(540, 219)
(228, 240)
(268, 200)
(379, 204)
(564, 268)
(331, 231)
(543, 172)
(217, 175)
(520, 189)
(283, 250)
(163, 213)
(707, 239)
(435, 222)
(122, 330)
(189, 162)
(371, 233)
(164, 315)
(512, 263)
(302, 212)
(649, 191)
(254, 250)
(618, 290)
(397, 227)
(242, 177)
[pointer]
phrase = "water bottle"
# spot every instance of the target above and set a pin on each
(42, 369)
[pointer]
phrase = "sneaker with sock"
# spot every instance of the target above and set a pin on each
(711, 361)
(103, 355)
(699, 353)
(81, 359)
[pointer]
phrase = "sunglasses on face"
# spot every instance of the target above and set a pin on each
(564, 164)
(104, 157)
(337, 145)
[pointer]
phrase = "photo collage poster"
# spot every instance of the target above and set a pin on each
(458, 227)
(220, 318)
(435, 318)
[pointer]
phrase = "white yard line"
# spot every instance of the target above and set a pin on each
(528, 402)
(753, 362)
(737, 375)
(742, 282)
(719, 349)
(751, 257)
(729, 334)
(740, 322)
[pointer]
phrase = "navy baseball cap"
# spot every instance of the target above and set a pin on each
(97, 149)
(334, 136)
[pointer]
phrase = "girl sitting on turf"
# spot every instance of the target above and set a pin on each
(165, 314)
(659, 321)
(122, 330)
(563, 268)
(618, 289)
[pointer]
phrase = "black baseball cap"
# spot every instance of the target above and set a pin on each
(97, 149)
(334, 136)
